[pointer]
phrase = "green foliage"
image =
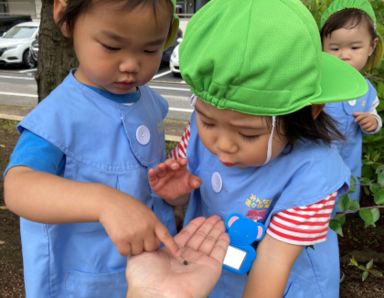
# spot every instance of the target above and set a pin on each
(337, 223)
(366, 270)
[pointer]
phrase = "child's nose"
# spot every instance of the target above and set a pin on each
(345, 55)
(226, 144)
(129, 65)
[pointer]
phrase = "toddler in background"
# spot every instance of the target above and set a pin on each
(348, 31)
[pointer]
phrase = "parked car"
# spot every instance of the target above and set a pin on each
(174, 61)
(8, 21)
(34, 49)
(15, 44)
(168, 52)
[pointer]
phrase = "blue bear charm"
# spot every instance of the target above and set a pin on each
(242, 232)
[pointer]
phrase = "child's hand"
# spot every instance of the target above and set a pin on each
(133, 227)
(171, 180)
(367, 122)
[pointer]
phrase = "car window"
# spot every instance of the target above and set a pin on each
(20, 32)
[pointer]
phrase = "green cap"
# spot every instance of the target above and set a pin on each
(262, 57)
(338, 5)
(174, 26)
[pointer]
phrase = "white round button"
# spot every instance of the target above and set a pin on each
(352, 103)
(143, 135)
(217, 182)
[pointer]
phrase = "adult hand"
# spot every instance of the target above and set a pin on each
(203, 245)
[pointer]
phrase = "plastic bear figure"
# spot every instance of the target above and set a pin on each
(242, 232)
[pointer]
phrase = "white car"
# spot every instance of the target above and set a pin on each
(174, 61)
(15, 44)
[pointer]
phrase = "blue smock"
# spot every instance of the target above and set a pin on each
(351, 148)
(303, 176)
(103, 142)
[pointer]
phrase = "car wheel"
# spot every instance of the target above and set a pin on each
(28, 59)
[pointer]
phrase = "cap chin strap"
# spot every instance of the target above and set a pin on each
(193, 100)
(269, 150)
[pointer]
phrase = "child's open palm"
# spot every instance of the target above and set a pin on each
(171, 180)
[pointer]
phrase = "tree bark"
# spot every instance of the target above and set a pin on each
(56, 57)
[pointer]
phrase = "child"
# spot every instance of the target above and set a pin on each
(78, 175)
(348, 32)
(260, 142)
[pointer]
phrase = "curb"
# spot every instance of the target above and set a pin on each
(168, 138)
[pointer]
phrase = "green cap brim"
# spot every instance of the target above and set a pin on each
(339, 81)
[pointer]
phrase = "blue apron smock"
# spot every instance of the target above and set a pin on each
(104, 142)
(303, 176)
(351, 148)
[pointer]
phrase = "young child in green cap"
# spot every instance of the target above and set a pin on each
(78, 175)
(260, 142)
(348, 31)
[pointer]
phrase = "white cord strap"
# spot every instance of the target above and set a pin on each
(269, 150)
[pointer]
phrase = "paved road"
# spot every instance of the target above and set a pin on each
(18, 93)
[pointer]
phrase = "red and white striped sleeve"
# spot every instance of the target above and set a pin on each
(180, 151)
(305, 225)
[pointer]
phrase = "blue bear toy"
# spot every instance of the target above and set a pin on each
(242, 232)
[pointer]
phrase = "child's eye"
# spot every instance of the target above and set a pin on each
(249, 138)
(109, 48)
(334, 49)
(151, 51)
(355, 48)
(207, 125)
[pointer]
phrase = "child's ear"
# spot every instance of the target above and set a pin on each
(59, 7)
(373, 46)
(316, 109)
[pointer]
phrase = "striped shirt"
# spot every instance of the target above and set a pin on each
(303, 225)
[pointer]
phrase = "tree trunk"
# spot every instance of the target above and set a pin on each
(56, 58)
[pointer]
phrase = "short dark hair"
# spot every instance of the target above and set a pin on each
(302, 125)
(75, 8)
(350, 18)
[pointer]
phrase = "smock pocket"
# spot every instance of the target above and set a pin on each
(95, 285)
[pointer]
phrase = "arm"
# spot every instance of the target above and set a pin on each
(270, 271)
(47, 198)
(288, 233)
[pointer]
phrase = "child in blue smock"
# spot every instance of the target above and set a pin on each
(78, 175)
(260, 142)
(348, 31)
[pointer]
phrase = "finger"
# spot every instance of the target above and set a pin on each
(210, 241)
(186, 233)
(137, 247)
(152, 177)
(220, 249)
(195, 182)
(201, 234)
(151, 243)
(172, 164)
(170, 244)
(124, 250)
